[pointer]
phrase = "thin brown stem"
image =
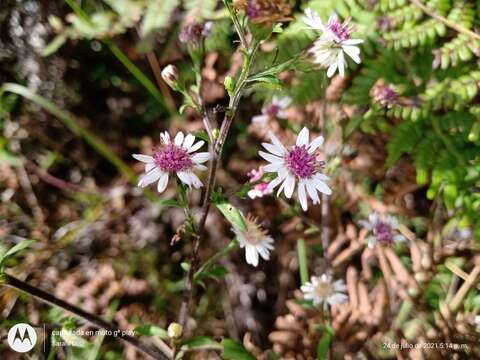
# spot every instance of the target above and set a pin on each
(157, 72)
(94, 320)
(449, 23)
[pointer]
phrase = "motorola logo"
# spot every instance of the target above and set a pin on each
(22, 337)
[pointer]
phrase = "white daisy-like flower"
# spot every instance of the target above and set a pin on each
(255, 240)
(177, 156)
(384, 228)
(322, 289)
(329, 49)
(296, 164)
(275, 110)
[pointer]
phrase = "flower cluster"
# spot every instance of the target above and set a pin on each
(297, 164)
(275, 110)
(261, 188)
(255, 240)
(194, 32)
(384, 228)
(328, 51)
(383, 94)
(322, 290)
(174, 157)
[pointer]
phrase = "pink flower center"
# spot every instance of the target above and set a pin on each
(300, 162)
(341, 31)
(384, 232)
(172, 158)
(273, 110)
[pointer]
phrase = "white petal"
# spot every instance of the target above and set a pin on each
(188, 141)
(353, 52)
(277, 142)
(184, 176)
(399, 238)
(259, 119)
(150, 177)
(352, 42)
(149, 167)
(251, 255)
(201, 167)
(282, 114)
(365, 224)
(285, 102)
(162, 183)
(322, 187)
(302, 138)
(143, 158)
(302, 196)
(315, 144)
(272, 167)
(312, 19)
(196, 183)
(339, 286)
(271, 158)
(196, 146)
(337, 299)
(289, 186)
(179, 139)
(372, 241)
(273, 149)
(312, 192)
(201, 157)
(341, 64)
(275, 182)
(331, 70)
(165, 137)
(333, 17)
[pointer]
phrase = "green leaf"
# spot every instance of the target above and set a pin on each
(233, 350)
(324, 344)
(268, 79)
(232, 214)
(170, 202)
(152, 330)
(54, 45)
(15, 249)
(201, 342)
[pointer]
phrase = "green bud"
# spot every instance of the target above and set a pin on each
(229, 84)
(215, 133)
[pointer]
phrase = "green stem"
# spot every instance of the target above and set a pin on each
(79, 11)
(302, 260)
(232, 245)
(236, 24)
(137, 73)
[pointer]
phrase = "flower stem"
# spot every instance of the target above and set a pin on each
(215, 152)
(96, 321)
(232, 245)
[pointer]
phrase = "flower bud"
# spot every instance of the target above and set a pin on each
(170, 76)
(175, 331)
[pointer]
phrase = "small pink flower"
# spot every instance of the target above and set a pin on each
(275, 110)
(175, 157)
(261, 189)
